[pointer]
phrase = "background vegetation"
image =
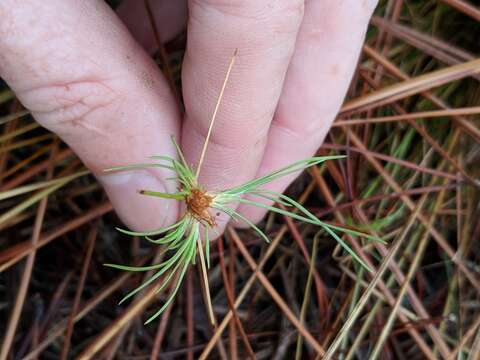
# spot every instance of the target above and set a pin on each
(411, 132)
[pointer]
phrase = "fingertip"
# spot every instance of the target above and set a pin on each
(139, 212)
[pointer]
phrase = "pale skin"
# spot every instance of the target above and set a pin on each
(84, 72)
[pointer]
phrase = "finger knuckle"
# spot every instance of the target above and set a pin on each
(281, 14)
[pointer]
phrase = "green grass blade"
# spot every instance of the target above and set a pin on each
(261, 194)
(150, 233)
(162, 157)
(176, 196)
(168, 265)
(207, 247)
(135, 268)
(311, 221)
(347, 248)
(311, 216)
(170, 298)
(189, 255)
(174, 234)
(292, 168)
(356, 233)
(138, 166)
(179, 152)
(232, 213)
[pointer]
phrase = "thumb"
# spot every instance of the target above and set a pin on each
(77, 69)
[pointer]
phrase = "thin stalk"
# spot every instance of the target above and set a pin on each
(366, 295)
(205, 281)
(212, 121)
(393, 313)
(306, 296)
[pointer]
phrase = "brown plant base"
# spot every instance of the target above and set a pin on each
(198, 202)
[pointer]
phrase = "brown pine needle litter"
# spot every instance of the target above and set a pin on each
(404, 166)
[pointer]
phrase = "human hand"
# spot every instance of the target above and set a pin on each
(80, 72)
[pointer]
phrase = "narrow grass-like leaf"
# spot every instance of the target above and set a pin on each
(232, 213)
(311, 221)
(190, 254)
(150, 233)
(302, 209)
(168, 278)
(314, 218)
(352, 232)
(142, 286)
(138, 166)
(171, 297)
(174, 234)
(165, 267)
(347, 248)
(162, 157)
(135, 268)
(176, 196)
(293, 168)
(207, 247)
(180, 153)
(33, 200)
(260, 193)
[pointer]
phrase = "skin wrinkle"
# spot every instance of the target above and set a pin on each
(223, 170)
(247, 44)
(82, 122)
(319, 110)
(42, 67)
(264, 11)
(67, 107)
(73, 41)
(227, 143)
(95, 88)
(296, 133)
(240, 110)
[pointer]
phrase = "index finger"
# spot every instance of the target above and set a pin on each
(94, 86)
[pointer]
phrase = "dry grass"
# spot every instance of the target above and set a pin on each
(411, 132)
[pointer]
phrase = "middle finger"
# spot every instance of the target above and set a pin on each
(264, 32)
